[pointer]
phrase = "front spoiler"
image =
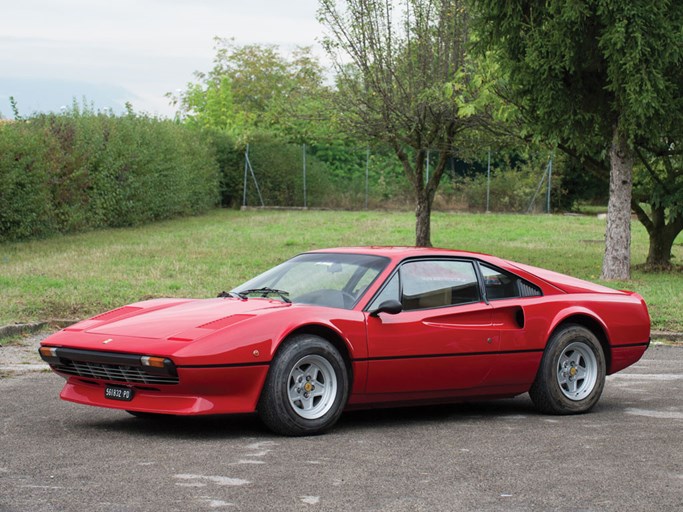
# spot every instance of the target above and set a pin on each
(215, 390)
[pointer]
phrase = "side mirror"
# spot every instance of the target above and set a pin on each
(391, 307)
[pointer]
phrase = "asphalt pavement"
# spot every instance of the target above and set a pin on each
(502, 455)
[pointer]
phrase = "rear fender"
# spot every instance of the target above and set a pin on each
(585, 317)
(577, 311)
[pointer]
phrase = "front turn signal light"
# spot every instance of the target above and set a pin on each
(48, 351)
(155, 362)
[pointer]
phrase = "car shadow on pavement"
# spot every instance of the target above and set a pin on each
(248, 425)
(183, 427)
(450, 412)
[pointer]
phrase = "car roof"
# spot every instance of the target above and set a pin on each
(562, 282)
(402, 252)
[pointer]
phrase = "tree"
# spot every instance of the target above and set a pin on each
(209, 104)
(660, 185)
(255, 86)
(598, 77)
(395, 77)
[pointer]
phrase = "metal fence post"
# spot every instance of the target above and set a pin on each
(488, 182)
(305, 191)
(550, 174)
(367, 167)
(246, 168)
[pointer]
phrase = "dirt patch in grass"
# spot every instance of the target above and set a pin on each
(19, 354)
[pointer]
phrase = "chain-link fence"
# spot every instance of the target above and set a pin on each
(344, 177)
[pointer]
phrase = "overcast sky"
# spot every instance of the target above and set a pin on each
(113, 51)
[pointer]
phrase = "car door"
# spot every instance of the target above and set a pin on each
(441, 340)
(514, 302)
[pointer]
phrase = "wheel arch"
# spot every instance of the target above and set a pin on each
(592, 324)
(328, 334)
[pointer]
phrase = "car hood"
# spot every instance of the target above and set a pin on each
(179, 319)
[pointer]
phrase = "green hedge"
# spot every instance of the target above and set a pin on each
(25, 198)
(513, 186)
(73, 172)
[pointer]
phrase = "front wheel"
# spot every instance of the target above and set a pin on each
(571, 377)
(306, 388)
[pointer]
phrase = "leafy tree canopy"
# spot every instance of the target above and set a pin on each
(257, 87)
(578, 68)
(602, 80)
(400, 73)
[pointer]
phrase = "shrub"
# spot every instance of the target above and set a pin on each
(25, 200)
(78, 171)
(278, 167)
(512, 188)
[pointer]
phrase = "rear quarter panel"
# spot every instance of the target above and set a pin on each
(622, 318)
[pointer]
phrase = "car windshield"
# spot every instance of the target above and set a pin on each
(323, 279)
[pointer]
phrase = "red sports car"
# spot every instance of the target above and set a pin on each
(357, 327)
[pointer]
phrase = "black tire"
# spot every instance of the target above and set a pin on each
(571, 377)
(290, 404)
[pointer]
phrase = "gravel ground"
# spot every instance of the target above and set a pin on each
(497, 456)
(21, 356)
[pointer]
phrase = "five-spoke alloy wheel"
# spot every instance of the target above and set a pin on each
(306, 388)
(312, 387)
(572, 372)
(577, 371)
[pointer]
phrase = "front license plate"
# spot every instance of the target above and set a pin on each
(117, 393)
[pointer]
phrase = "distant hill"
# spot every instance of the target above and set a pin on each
(37, 95)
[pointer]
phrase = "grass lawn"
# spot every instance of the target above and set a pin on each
(79, 275)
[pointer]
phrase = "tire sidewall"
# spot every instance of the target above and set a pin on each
(275, 407)
(558, 343)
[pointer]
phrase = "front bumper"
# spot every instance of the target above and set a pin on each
(162, 390)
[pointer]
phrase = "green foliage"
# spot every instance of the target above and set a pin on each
(582, 185)
(660, 183)
(346, 167)
(398, 68)
(230, 159)
(592, 75)
(514, 184)
(278, 166)
(81, 170)
(255, 88)
(577, 69)
(15, 108)
(25, 197)
(210, 105)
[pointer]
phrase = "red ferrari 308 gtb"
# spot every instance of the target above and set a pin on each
(357, 327)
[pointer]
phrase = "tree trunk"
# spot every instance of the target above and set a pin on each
(659, 254)
(423, 212)
(662, 237)
(617, 261)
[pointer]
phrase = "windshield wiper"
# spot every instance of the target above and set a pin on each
(230, 294)
(265, 291)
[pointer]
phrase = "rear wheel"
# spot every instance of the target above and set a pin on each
(306, 388)
(571, 377)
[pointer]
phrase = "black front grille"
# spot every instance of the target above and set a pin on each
(112, 372)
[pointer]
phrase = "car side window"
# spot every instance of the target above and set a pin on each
(389, 292)
(503, 285)
(432, 284)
